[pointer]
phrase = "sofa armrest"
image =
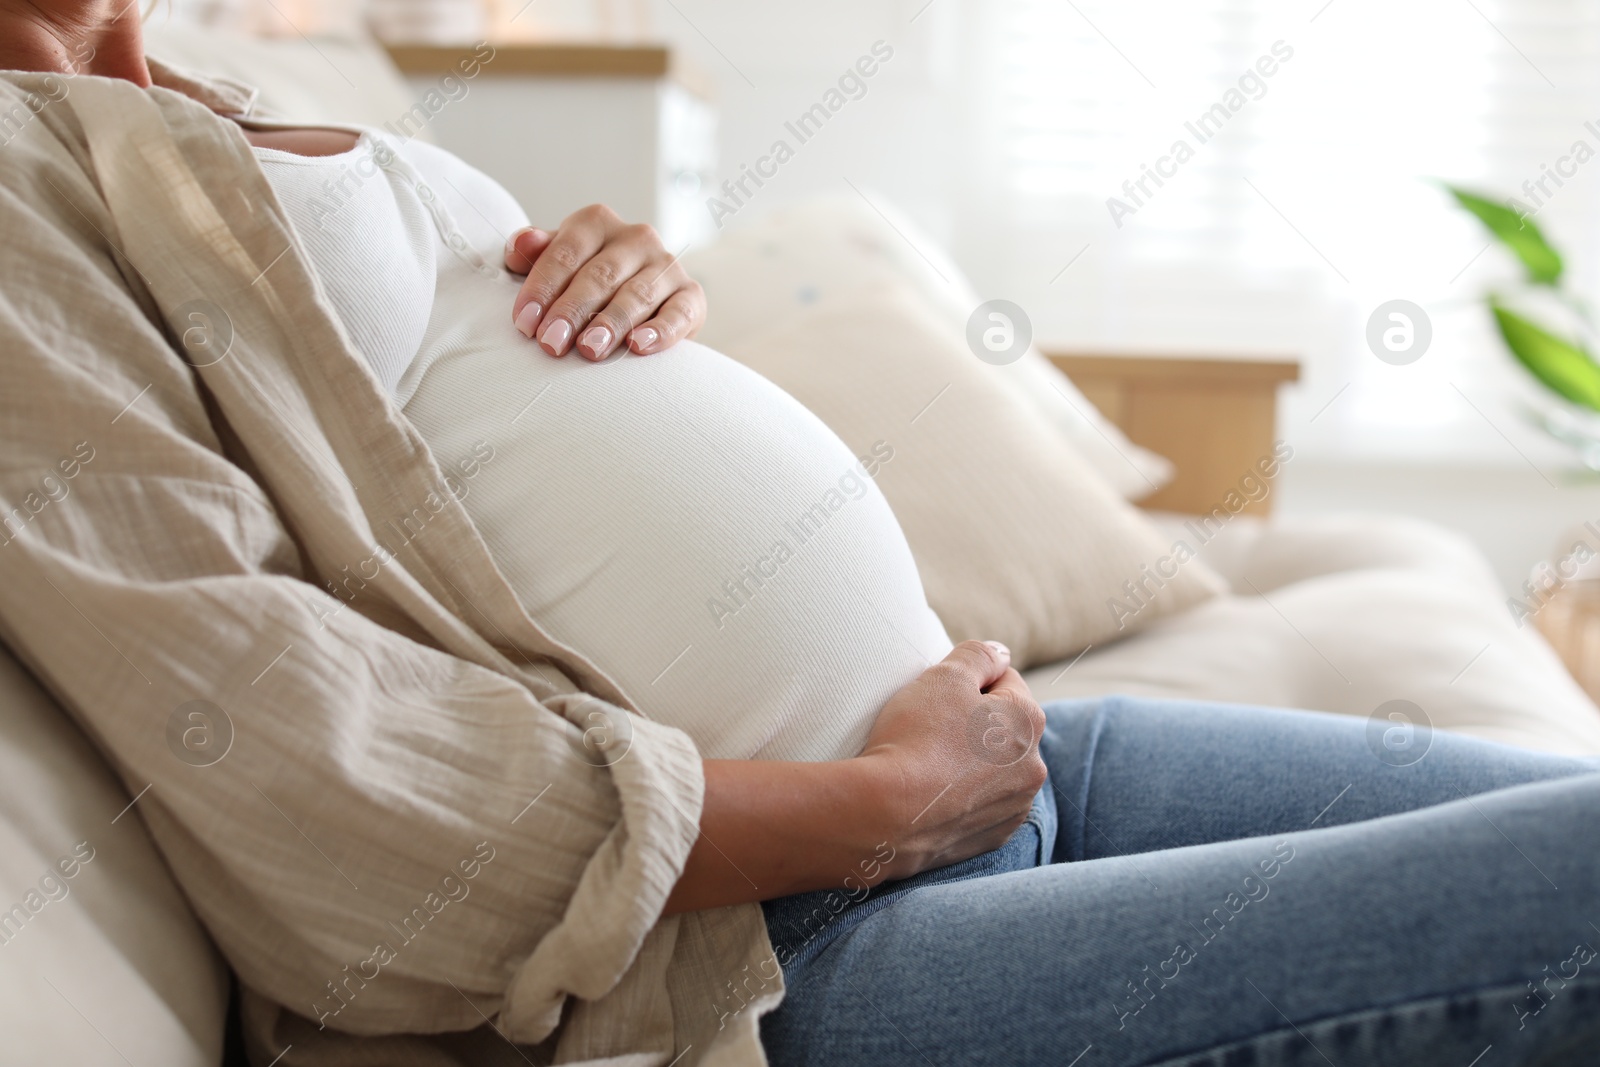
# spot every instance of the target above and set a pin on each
(1214, 418)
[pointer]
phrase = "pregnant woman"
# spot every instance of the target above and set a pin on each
(501, 789)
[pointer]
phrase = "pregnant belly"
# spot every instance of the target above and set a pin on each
(694, 531)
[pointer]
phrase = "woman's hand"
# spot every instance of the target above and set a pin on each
(601, 281)
(949, 771)
(958, 753)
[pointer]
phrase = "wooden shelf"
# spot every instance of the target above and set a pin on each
(554, 59)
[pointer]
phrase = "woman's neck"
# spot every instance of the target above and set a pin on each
(74, 37)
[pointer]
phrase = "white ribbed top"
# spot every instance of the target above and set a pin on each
(677, 518)
(372, 245)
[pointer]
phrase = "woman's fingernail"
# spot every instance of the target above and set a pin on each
(555, 336)
(596, 339)
(643, 338)
(527, 317)
(999, 648)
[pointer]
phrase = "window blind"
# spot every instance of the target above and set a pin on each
(1319, 180)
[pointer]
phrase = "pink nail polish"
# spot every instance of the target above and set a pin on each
(527, 317)
(555, 336)
(643, 338)
(596, 339)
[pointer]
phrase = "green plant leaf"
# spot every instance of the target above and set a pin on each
(1518, 234)
(1564, 367)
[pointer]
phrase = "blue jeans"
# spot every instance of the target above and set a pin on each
(1210, 885)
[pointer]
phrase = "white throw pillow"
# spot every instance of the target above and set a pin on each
(765, 273)
(1256, 555)
(694, 531)
(1016, 536)
(101, 960)
(1358, 610)
(1350, 643)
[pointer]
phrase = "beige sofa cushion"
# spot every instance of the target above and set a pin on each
(766, 271)
(1355, 611)
(1016, 537)
(101, 960)
(1255, 555)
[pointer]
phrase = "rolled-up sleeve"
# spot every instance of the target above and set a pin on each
(389, 824)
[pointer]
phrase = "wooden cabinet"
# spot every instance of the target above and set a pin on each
(1213, 418)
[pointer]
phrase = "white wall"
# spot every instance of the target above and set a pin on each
(771, 62)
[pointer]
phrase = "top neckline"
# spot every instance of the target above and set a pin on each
(279, 155)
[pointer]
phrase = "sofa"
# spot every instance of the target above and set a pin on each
(103, 962)
(1345, 614)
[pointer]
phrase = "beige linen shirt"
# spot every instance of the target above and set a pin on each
(398, 805)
